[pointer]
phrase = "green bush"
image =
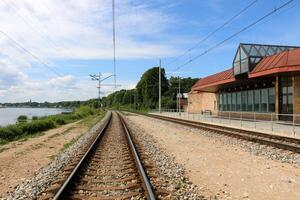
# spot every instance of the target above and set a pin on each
(13, 132)
(10, 132)
(60, 121)
(37, 126)
(22, 118)
(34, 118)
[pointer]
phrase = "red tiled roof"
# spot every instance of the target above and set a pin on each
(215, 79)
(285, 61)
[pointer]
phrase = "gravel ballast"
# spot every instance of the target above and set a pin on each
(171, 175)
(254, 148)
(224, 167)
(32, 188)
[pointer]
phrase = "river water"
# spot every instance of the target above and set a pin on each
(10, 115)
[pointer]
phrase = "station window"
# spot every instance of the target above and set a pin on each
(271, 100)
(257, 100)
(233, 101)
(264, 100)
(238, 101)
(229, 101)
(244, 100)
(225, 102)
(250, 101)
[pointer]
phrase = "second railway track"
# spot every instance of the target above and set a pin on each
(110, 169)
(281, 142)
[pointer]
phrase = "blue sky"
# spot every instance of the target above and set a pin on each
(74, 38)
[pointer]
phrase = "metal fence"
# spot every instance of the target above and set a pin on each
(281, 124)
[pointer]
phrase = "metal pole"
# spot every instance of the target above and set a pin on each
(179, 97)
(272, 122)
(294, 125)
(114, 42)
(99, 89)
(254, 120)
(241, 117)
(159, 90)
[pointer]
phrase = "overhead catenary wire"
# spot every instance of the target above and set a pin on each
(114, 43)
(234, 35)
(213, 32)
(17, 44)
(27, 18)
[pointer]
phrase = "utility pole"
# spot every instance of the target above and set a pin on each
(114, 42)
(159, 90)
(179, 95)
(97, 77)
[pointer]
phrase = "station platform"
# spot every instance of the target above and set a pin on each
(282, 128)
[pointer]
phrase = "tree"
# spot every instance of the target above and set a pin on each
(185, 85)
(147, 87)
(128, 97)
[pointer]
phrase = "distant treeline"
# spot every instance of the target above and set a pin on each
(145, 95)
(62, 104)
(26, 128)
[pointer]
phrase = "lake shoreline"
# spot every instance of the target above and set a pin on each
(9, 115)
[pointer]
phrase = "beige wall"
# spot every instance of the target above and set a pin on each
(198, 102)
(296, 103)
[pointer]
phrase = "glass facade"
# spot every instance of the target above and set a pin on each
(258, 100)
(286, 95)
(248, 55)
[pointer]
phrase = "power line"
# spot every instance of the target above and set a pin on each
(214, 32)
(234, 35)
(30, 53)
(42, 34)
(114, 42)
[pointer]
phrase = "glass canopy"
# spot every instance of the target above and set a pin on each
(248, 55)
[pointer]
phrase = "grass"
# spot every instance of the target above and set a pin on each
(35, 128)
(3, 142)
(3, 149)
(66, 146)
(87, 122)
(126, 113)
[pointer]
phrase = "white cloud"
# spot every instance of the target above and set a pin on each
(72, 29)
(64, 81)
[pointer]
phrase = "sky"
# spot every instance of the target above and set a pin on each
(48, 48)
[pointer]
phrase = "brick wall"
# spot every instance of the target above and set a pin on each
(198, 102)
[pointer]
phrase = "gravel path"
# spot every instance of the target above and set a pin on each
(32, 188)
(171, 176)
(225, 167)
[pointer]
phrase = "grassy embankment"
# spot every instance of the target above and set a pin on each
(28, 129)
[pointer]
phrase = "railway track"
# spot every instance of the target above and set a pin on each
(109, 169)
(281, 142)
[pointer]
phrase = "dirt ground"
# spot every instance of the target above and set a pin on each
(223, 169)
(21, 159)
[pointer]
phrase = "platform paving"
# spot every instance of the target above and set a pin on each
(271, 127)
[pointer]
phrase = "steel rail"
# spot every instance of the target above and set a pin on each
(281, 142)
(146, 182)
(62, 192)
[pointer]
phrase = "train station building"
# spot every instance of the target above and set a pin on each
(263, 79)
